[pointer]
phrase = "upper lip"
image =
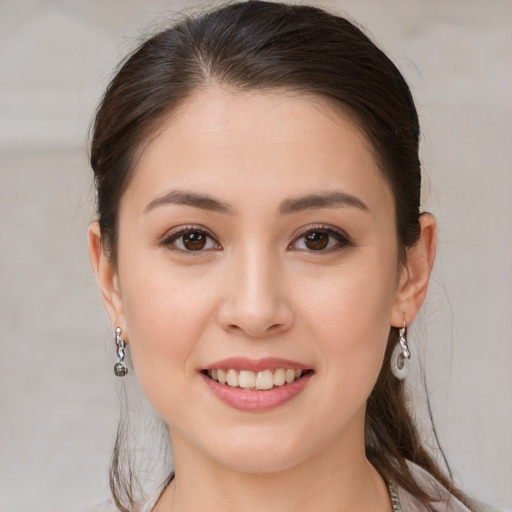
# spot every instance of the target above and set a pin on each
(256, 365)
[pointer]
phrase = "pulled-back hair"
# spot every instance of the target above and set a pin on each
(261, 46)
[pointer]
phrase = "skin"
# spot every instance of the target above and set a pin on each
(258, 290)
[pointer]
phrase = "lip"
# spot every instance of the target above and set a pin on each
(256, 400)
(256, 365)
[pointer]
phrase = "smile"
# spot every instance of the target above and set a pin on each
(250, 380)
(256, 385)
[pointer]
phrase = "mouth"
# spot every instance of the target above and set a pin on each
(256, 385)
(263, 380)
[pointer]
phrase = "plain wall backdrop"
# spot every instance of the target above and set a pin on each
(58, 398)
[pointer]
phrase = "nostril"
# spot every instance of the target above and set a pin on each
(256, 332)
(255, 315)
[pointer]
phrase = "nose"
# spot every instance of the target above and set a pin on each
(254, 296)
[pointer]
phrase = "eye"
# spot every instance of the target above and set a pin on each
(190, 239)
(320, 239)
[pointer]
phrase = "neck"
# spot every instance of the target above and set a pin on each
(329, 482)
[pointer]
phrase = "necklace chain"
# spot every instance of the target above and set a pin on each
(395, 498)
(393, 494)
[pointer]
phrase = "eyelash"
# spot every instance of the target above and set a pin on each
(341, 238)
(170, 240)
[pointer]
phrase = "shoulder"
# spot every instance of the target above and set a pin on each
(451, 504)
(479, 506)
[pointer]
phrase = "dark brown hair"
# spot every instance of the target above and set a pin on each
(258, 45)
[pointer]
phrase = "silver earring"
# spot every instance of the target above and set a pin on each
(119, 368)
(400, 356)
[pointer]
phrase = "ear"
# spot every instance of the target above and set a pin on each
(415, 275)
(107, 277)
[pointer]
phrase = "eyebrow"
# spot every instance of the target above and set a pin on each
(202, 201)
(317, 201)
(288, 206)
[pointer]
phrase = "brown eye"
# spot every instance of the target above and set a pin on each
(194, 241)
(191, 240)
(316, 240)
(321, 239)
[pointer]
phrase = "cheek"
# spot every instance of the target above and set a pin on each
(349, 316)
(166, 312)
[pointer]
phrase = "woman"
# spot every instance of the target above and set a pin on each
(260, 250)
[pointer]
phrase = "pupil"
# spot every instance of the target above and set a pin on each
(317, 240)
(194, 241)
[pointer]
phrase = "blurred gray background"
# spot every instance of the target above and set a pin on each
(58, 398)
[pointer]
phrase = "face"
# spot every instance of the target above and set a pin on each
(257, 243)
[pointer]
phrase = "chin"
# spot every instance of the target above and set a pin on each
(258, 451)
(259, 462)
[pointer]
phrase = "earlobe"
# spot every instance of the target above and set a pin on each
(107, 277)
(415, 276)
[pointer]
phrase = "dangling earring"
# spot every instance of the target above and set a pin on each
(400, 356)
(119, 368)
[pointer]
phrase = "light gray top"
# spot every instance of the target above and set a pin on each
(447, 502)
(407, 502)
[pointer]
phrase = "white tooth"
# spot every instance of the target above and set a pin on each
(298, 373)
(247, 379)
(209, 372)
(214, 374)
(232, 378)
(279, 377)
(265, 380)
(221, 376)
(290, 376)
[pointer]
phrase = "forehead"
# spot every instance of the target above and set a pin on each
(245, 144)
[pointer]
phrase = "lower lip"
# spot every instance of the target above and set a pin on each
(256, 401)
